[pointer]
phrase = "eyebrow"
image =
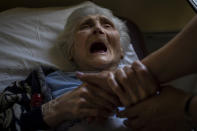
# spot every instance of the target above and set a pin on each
(101, 18)
(104, 19)
(87, 21)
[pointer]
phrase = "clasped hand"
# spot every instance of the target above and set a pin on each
(131, 84)
(137, 91)
(132, 87)
(102, 93)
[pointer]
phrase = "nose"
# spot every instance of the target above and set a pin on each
(98, 29)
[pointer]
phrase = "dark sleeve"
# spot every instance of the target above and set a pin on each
(33, 120)
(20, 106)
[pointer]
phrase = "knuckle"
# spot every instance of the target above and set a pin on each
(135, 64)
(126, 68)
(128, 71)
(117, 72)
(107, 74)
(110, 76)
(104, 73)
(142, 71)
(121, 76)
(84, 92)
(138, 64)
(81, 102)
(123, 79)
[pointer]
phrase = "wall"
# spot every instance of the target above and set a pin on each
(153, 15)
(150, 15)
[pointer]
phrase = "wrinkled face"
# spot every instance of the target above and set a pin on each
(96, 44)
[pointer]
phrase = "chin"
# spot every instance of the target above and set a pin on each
(102, 65)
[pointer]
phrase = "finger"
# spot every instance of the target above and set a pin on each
(117, 90)
(133, 84)
(102, 94)
(82, 103)
(100, 103)
(121, 78)
(89, 95)
(94, 79)
(138, 90)
(145, 78)
(89, 99)
(88, 77)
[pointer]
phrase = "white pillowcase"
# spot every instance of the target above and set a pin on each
(27, 39)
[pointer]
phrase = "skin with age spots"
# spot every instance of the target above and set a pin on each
(96, 44)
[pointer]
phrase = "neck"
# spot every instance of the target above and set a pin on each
(97, 69)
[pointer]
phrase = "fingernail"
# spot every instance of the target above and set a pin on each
(79, 74)
(138, 66)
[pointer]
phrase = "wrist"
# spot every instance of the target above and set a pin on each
(188, 111)
(50, 114)
(192, 110)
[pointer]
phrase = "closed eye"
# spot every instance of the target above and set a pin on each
(107, 25)
(106, 22)
(86, 24)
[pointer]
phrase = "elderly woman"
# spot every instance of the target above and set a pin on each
(169, 109)
(93, 41)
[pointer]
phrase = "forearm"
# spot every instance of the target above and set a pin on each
(178, 57)
(53, 113)
(193, 110)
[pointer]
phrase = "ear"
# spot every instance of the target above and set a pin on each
(122, 53)
(71, 53)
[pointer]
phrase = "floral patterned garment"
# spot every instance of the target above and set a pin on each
(20, 103)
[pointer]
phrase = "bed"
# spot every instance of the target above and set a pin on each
(28, 37)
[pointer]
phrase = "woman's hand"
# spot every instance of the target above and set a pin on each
(132, 84)
(164, 112)
(84, 102)
(99, 80)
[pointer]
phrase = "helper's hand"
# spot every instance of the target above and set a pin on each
(84, 102)
(100, 80)
(164, 112)
(132, 84)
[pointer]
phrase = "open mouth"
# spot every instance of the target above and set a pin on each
(98, 47)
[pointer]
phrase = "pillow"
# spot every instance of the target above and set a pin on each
(28, 39)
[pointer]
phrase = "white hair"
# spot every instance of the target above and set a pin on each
(67, 37)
